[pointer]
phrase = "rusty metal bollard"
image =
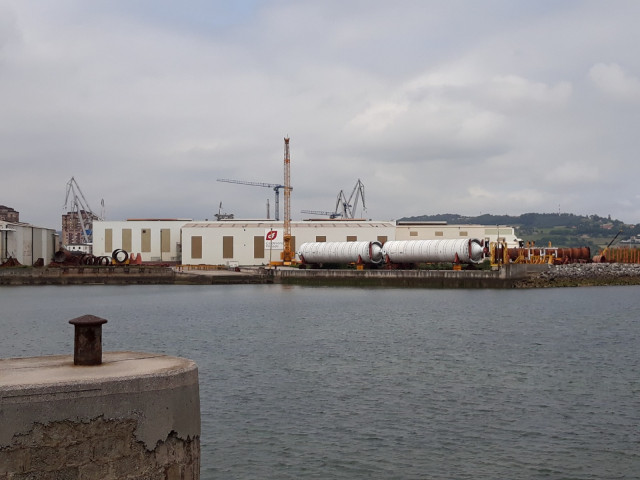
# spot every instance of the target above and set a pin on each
(87, 344)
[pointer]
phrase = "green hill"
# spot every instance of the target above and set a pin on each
(562, 230)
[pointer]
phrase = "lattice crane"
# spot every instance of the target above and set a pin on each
(276, 188)
(331, 215)
(75, 202)
(347, 207)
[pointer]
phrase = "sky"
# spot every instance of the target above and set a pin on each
(493, 107)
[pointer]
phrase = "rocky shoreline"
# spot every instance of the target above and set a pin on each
(583, 275)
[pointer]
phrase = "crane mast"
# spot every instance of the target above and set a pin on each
(287, 254)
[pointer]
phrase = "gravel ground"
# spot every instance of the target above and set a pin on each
(584, 274)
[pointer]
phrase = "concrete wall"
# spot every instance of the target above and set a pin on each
(502, 278)
(135, 416)
(112, 275)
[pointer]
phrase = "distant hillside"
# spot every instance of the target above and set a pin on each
(562, 230)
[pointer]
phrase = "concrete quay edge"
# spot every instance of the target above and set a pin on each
(51, 389)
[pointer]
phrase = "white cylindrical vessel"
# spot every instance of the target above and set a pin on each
(340, 252)
(433, 251)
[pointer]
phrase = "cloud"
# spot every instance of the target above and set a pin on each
(612, 80)
(446, 107)
(573, 173)
(521, 92)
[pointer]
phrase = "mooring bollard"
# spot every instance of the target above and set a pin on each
(87, 344)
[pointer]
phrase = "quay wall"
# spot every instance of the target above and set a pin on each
(116, 275)
(135, 416)
(124, 275)
(505, 277)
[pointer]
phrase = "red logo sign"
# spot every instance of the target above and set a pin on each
(272, 235)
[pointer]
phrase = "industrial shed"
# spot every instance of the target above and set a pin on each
(407, 230)
(156, 240)
(27, 243)
(257, 242)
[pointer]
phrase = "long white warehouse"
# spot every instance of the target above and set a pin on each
(237, 242)
(258, 242)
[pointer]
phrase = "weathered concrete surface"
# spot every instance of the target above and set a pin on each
(159, 392)
(127, 275)
(114, 275)
(135, 416)
(98, 449)
(505, 277)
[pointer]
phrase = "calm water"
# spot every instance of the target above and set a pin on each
(342, 383)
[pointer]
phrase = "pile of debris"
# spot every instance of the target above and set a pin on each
(11, 262)
(584, 274)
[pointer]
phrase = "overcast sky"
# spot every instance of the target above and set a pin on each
(469, 107)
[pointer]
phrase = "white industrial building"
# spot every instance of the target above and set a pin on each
(407, 230)
(155, 240)
(258, 242)
(236, 242)
(27, 243)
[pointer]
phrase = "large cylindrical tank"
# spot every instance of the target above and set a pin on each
(433, 251)
(340, 252)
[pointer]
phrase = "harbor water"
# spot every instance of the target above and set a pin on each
(355, 383)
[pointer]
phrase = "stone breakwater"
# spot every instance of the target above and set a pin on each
(584, 274)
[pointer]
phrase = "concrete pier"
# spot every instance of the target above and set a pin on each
(505, 277)
(137, 415)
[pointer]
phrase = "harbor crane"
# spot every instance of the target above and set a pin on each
(331, 215)
(345, 207)
(76, 203)
(276, 188)
(348, 207)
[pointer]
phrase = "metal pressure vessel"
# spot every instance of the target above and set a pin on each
(433, 251)
(340, 252)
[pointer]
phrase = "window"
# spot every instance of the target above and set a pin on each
(439, 234)
(321, 238)
(463, 233)
(352, 238)
(413, 234)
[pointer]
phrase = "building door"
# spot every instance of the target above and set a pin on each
(165, 245)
